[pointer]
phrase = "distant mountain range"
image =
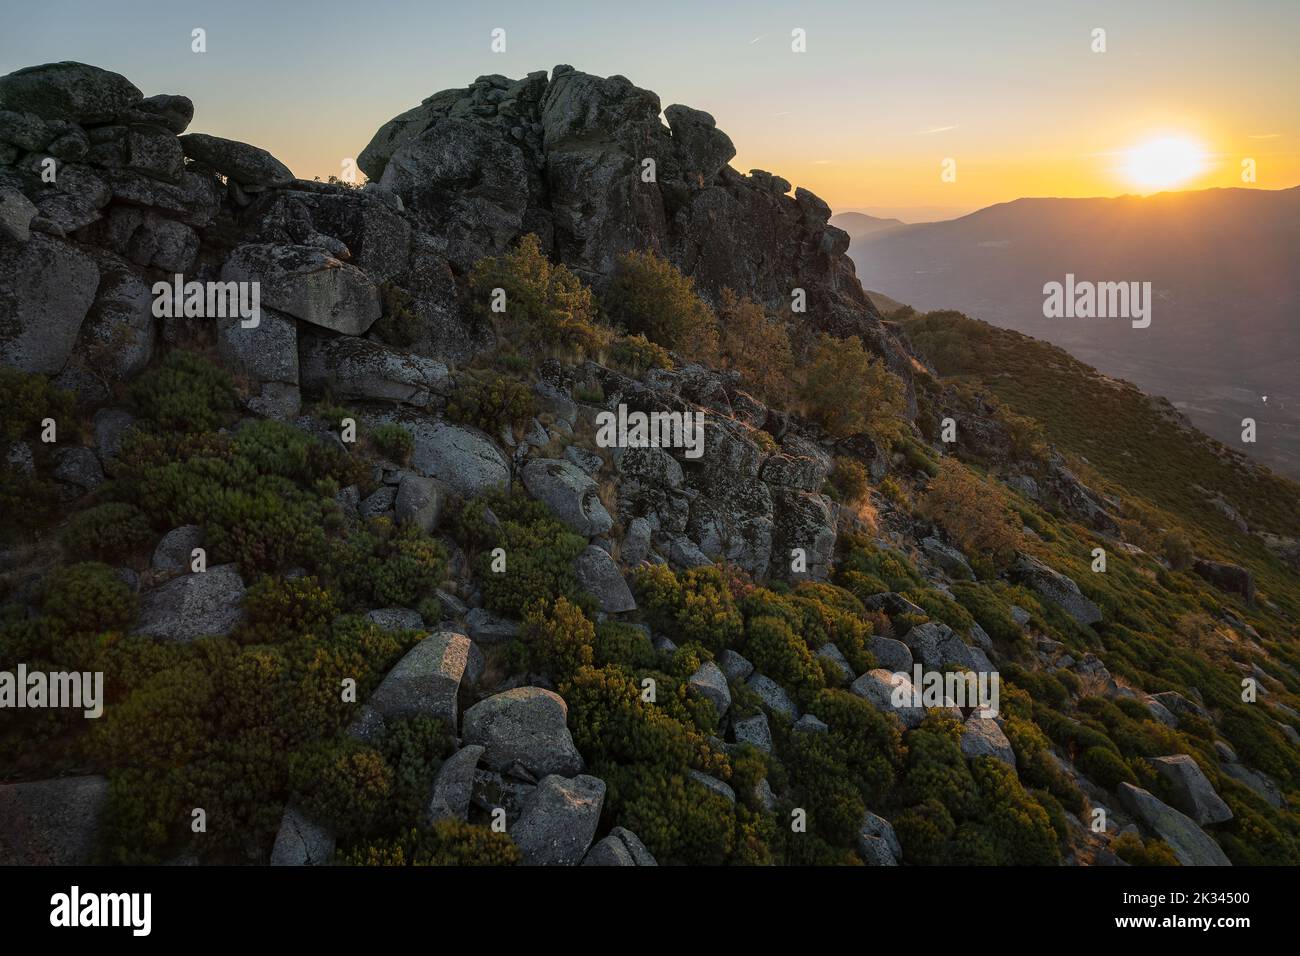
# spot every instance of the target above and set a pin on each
(859, 224)
(1224, 268)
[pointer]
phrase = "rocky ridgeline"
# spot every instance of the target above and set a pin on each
(103, 194)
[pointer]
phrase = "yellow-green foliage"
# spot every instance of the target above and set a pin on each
(696, 605)
(446, 843)
(546, 306)
(649, 296)
(846, 389)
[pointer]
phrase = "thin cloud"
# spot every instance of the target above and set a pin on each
(757, 38)
(937, 129)
(1265, 136)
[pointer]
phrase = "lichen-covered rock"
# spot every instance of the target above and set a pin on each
(307, 284)
(193, 605)
(1191, 845)
(1058, 589)
(710, 683)
(878, 688)
(558, 820)
(75, 92)
(892, 655)
(934, 644)
(620, 848)
(528, 725)
(1193, 792)
(46, 289)
(419, 502)
(426, 681)
(245, 164)
(598, 574)
(175, 551)
(464, 459)
(982, 737)
(301, 842)
(773, 695)
(453, 785)
(569, 492)
(351, 368)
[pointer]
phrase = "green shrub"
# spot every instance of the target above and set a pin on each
(490, 402)
(26, 400)
(559, 636)
(636, 355)
(186, 393)
(394, 442)
(546, 306)
(445, 843)
(397, 324)
(694, 606)
(649, 296)
(923, 832)
(849, 480)
(1105, 767)
(380, 565)
(1130, 848)
(109, 531)
(279, 609)
(846, 390)
(539, 550)
(88, 597)
(623, 644)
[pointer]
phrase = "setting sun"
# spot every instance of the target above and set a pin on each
(1163, 163)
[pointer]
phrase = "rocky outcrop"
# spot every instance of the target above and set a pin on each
(426, 681)
(301, 842)
(1227, 577)
(1058, 589)
(1191, 845)
(620, 848)
(528, 725)
(1193, 792)
(558, 820)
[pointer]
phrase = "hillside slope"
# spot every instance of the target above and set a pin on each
(388, 570)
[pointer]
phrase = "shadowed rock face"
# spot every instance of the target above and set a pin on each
(567, 158)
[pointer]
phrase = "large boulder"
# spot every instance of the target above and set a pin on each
(702, 148)
(982, 737)
(1058, 589)
(525, 724)
(597, 573)
(892, 655)
(934, 644)
(419, 502)
(568, 491)
(46, 289)
(1227, 577)
(710, 683)
(117, 338)
(246, 165)
(425, 682)
(1191, 845)
(464, 459)
(301, 842)
(1193, 792)
(51, 822)
(877, 843)
(454, 785)
(621, 848)
(75, 92)
(267, 352)
(352, 368)
(878, 688)
(193, 605)
(307, 284)
(558, 820)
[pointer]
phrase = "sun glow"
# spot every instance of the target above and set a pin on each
(1163, 163)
